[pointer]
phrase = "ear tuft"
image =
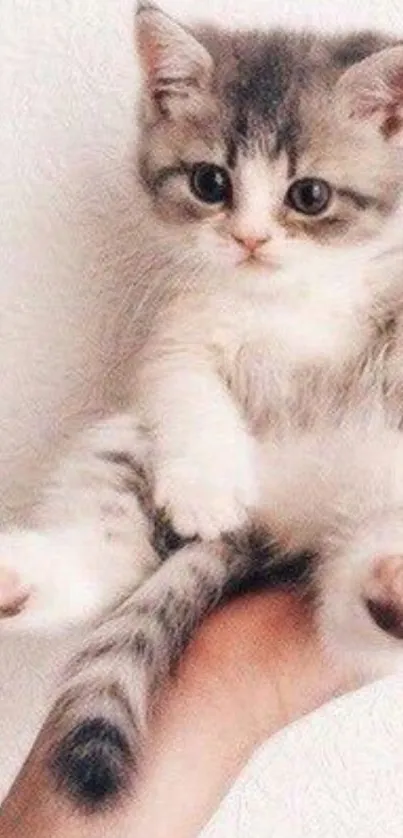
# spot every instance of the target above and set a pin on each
(172, 59)
(373, 89)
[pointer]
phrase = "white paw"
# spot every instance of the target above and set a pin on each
(361, 599)
(209, 493)
(383, 594)
(19, 576)
(44, 581)
(13, 593)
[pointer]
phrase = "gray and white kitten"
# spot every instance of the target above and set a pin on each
(268, 399)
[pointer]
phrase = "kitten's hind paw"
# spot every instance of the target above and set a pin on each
(384, 594)
(13, 593)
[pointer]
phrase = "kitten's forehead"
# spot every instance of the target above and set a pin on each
(268, 107)
(273, 88)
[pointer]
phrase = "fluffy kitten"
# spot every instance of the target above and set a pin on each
(268, 398)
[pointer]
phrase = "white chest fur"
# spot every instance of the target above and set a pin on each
(268, 347)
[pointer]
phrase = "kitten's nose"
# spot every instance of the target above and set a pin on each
(250, 243)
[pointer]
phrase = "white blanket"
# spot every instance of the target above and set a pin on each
(335, 774)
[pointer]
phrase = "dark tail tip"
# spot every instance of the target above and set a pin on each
(93, 763)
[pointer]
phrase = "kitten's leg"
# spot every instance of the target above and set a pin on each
(383, 594)
(205, 458)
(99, 722)
(361, 597)
(13, 593)
(92, 539)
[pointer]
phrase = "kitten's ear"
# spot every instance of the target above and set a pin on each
(373, 89)
(176, 66)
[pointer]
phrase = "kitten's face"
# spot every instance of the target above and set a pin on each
(263, 152)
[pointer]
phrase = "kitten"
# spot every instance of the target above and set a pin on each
(267, 401)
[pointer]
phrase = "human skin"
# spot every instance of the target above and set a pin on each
(255, 666)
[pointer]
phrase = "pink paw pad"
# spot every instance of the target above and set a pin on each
(13, 594)
(384, 595)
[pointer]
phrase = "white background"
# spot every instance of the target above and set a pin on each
(68, 254)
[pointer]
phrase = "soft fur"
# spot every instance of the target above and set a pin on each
(268, 398)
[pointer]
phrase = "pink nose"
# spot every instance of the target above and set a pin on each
(250, 243)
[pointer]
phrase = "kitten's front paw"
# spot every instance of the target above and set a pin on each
(13, 593)
(211, 494)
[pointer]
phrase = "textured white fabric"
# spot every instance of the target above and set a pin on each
(66, 88)
(335, 774)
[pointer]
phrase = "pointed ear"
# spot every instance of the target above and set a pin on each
(373, 89)
(177, 68)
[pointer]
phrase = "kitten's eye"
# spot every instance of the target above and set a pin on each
(310, 196)
(210, 183)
